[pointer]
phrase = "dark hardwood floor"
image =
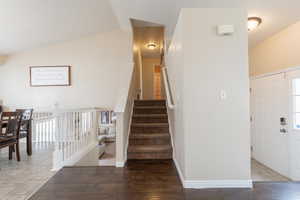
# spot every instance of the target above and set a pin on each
(148, 180)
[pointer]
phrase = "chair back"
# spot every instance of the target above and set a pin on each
(13, 123)
(26, 120)
(26, 113)
(6, 116)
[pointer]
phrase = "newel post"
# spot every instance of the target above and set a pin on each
(57, 155)
(120, 154)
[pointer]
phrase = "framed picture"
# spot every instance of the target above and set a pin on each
(50, 76)
(105, 117)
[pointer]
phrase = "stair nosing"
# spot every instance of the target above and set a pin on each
(143, 148)
(150, 115)
(141, 100)
(149, 107)
(149, 124)
(147, 135)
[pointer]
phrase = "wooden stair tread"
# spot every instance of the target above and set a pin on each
(150, 107)
(149, 135)
(150, 100)
(150, 115)
(150, 124)
(149, 148)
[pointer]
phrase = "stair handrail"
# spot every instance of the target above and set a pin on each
(168, 91)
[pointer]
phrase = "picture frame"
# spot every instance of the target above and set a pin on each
(43, 76)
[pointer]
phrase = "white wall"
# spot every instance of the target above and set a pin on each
(124, 110)
(277, 52)
(100, 65)
(215, 149)
(2, 60)
(175, 68)
(138, 70)
(148, 76)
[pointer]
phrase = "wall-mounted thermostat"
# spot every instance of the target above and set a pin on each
(225, 30)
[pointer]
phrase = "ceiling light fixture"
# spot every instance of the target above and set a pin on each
(151, 46)
(253, 23)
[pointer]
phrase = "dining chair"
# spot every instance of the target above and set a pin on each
(25, 128)
(9, 136)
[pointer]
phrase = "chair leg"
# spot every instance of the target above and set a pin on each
(10, 151)
(18, 151)
(29, 143)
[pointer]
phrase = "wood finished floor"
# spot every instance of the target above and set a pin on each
(149, 180)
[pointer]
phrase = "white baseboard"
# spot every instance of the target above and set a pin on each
(199, 184)
(205, 184)
(178, 169)
(120, 164)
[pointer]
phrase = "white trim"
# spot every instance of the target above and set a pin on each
(75, 158)
(141, 73)
(129, 128)
(178, 169)
(205, 184)
(199, 184)
(171, 133)
(170, 104)
(274, 73)
(120, 164)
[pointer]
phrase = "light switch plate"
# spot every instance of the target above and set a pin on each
(223, 95)
(225, 30)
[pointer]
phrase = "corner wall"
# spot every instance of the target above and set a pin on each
(278, 52)
(100, 65)
(175, 68)
(211, 136)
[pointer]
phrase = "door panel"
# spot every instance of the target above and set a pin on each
(269, 102)
(294, 134)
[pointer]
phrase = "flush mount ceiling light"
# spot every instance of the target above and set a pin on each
(253, 23)
(151, 46)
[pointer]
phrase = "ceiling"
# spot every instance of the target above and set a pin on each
(145, 33)
(31, 23)
(276, 14)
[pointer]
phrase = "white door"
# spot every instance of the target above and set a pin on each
(269, 103)
(293, 78)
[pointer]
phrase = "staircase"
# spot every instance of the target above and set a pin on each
(149, 137)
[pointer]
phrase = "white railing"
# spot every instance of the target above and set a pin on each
(167, 87)
(43, 128)
(73, 133)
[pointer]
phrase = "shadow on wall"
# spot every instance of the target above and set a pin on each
(2, 107)
(3, 59)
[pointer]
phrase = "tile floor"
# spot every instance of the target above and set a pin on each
(18, 180)
(260, 172)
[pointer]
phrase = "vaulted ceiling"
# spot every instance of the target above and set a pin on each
(31, 23)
